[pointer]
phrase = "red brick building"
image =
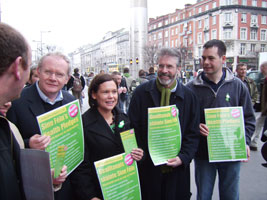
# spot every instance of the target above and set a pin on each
(241, 24)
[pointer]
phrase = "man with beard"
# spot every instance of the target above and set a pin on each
(170, 181)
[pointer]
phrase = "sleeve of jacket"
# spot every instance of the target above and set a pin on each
(191, 135)
(70, 83)
(83, 81)
(249, 117)
(264, 136)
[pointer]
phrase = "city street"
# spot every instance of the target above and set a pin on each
(253, 176)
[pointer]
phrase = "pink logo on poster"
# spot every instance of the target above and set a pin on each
(128, 160)
(73, 110)
(131, 131)
(174, 112)
(235, 113)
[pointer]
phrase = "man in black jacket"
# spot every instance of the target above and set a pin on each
(15, 59)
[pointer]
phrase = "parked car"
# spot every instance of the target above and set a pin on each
(256, 76)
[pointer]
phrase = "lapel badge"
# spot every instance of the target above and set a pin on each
(227, 97)
(121, 124)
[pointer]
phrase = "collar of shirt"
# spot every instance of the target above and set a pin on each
(213, 85)
(45, 98)
(174, 89)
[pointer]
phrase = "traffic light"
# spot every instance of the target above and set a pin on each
(136, 60)
(131, 61)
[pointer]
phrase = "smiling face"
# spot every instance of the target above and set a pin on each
(167, 70)
(106, 96)
(53, 75)
(212, 62)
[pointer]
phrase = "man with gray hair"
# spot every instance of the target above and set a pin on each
(170, 181)
(15, 59)
(43, 96)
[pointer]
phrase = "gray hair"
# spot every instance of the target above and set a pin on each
(172, 52)
(59, 55)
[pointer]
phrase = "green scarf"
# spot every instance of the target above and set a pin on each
(127, 75)
(165, 93)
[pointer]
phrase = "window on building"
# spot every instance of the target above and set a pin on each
(242, 48)
(206, 36)
(185, 42)
(176, 42)
(155, 26)
(199, 10)
(160, 35)
(228, 2)
(172, 43)
(228, 17)
(254, 3)
(263, 47)
(166, 43)
(166, 22)
(254, 19)
(183, 15)
(172, 20)
(190, 27)
(172, 31)
(199, 24)
(253, 47)
(243, 34)
(263, 34)
(166, 33)
(263, 19)
(253, 34)
(160, 24)
(227, 33)
(199, 38)
(176, 18)
(264, 4)
(160, 44)
(155, 36)
(244, 17)
(149, 38)
(206, 22)
(176, 31)
(214, 4)
(207, 7)
(214, 34)
(214, 20)
(244, 2)
(190, 14)
(199, 52)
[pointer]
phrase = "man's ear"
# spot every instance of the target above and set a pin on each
(17, 65)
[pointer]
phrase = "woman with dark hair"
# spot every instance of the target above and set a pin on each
(102, 125)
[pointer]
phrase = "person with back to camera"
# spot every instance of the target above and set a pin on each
(102, 127)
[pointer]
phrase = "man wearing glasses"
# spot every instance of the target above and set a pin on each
(43, 96)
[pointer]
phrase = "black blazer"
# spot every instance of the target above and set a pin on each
(23, 113)
(100, 143)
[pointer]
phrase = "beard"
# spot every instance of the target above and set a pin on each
(166, 82)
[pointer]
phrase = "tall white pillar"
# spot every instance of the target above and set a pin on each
(138, 34)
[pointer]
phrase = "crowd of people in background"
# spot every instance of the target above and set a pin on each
(118, 96)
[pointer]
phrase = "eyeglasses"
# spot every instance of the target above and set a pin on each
(57, 74)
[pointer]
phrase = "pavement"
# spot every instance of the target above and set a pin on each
(253, 176)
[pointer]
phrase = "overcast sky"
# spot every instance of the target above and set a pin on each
(74, 23)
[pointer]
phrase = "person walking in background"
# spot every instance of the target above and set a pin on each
(102, 125)
(263, 108)
(33, 76)
(129, 81)
(15, 61)
(241, 70)
(142, 77)
(76, 83)
(217, 87)
(43, 96)
(170, 181)
(151, 74)
(122, 90)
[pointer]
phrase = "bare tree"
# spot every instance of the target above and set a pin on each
(150, 54)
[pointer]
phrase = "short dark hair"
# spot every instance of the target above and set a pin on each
(94, 86)
(173, 52)
(34, 67)
(151, 70)
(216, 43)
(240, 65)
(76, 70)
(116, 73)
(141, 72)
(12, 45)
(126, 70)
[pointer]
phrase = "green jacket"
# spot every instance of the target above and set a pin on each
(252, 88)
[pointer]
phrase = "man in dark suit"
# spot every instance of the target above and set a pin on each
(43, 96)
(15, 59)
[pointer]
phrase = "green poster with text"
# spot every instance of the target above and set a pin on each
(164, 133)
(118, 177)
(226, 139)
(64, 126)
(128, 140)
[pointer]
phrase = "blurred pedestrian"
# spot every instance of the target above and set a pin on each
(33, 76)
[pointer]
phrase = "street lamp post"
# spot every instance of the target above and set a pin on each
(41, 32)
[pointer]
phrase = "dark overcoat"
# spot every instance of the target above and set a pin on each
(176, 184)
(100, 143)
(23, 113)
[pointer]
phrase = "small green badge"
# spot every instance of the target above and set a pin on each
(121, 124)
(227, 97)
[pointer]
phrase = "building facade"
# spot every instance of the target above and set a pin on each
(241, 24)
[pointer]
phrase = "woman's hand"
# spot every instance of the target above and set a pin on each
(62, 176)
(204, 130)
(137, 154)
